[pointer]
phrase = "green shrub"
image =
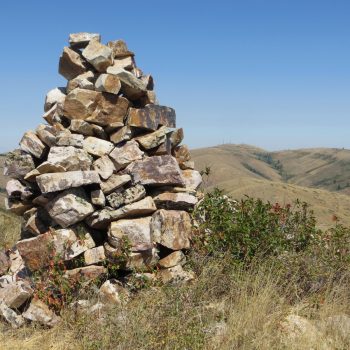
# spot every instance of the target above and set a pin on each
(250, 227)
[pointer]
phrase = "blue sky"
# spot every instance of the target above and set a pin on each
(271, 73)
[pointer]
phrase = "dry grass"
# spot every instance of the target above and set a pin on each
(10, 227)
(227, 307)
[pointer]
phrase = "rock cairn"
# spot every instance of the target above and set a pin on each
(104, 182)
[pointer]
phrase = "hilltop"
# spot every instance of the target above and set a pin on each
(319, 176)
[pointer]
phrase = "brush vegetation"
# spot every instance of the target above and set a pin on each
(256, 264)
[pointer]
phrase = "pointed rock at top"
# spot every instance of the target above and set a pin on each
(81, 40)
(99, 55)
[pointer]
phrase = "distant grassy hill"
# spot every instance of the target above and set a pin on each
(319, 176)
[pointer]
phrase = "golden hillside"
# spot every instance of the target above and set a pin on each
(318, 176)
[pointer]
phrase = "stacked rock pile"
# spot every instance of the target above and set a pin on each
(106, 179)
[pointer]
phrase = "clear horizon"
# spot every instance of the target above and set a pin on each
(273, 74)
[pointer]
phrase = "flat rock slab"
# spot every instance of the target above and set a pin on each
(151, 117)
(70, 207)
(55, 182)
(38, 251)
(175, 201)
(157, 171)
(172, 229)
(136, 231)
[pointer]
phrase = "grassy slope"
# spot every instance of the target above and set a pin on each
(305, 174)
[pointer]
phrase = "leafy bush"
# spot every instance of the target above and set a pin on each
(250, 227)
